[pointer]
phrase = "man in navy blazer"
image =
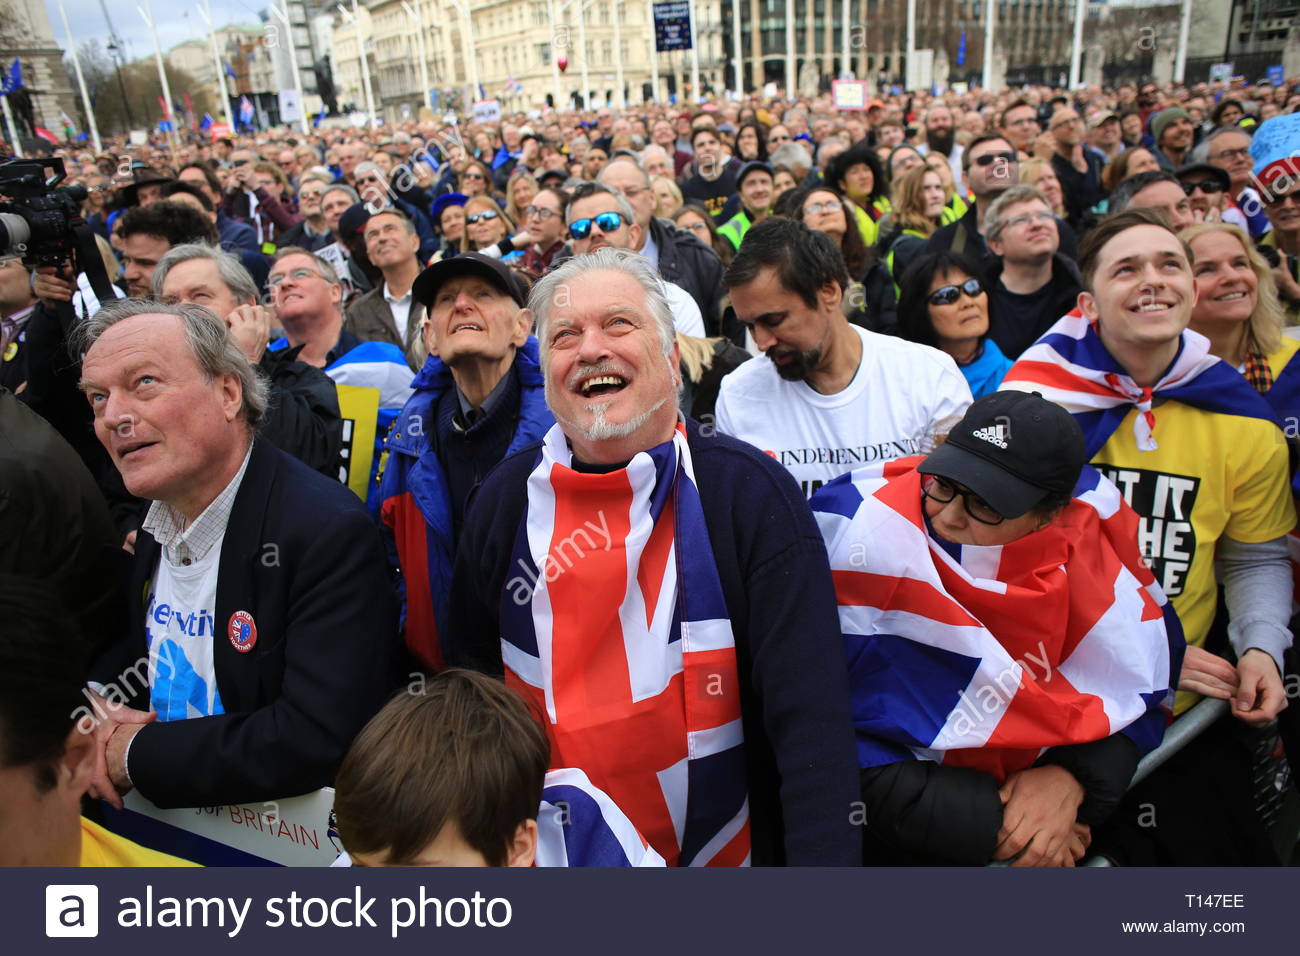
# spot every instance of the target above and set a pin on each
(264, 623)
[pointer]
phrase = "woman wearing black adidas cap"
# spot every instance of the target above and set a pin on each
(1008, 650)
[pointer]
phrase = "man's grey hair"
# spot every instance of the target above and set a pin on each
(323, 266)
(344, 188)
(605, 259)
(588, 189)
(209, 341)
(1201, 154)
(654, 149)
(229, 268)
(995, 220)
(367, 167)
(794, 157)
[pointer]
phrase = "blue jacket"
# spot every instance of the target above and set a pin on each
(416, 509)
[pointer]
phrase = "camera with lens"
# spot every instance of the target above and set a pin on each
(38, 218)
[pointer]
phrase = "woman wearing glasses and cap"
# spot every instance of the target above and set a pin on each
(942, 303)
(1009, 652)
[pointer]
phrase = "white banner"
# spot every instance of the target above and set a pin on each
(290, 106)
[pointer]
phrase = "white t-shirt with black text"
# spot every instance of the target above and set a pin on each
(901, 399)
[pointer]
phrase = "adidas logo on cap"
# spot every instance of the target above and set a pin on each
(993, 434)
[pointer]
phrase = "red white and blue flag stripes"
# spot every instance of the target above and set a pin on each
(983, 657)
(1069, 365)
(579, 825)
(613, 622)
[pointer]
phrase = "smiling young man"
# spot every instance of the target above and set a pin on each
(661, 594)
(1196, 453)
(754, 183)
(477, 399)
(826, 395)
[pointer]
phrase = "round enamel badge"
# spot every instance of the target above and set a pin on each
(242, 631)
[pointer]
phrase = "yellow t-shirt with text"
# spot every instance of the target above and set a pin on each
(100, 847)
(1213, 475)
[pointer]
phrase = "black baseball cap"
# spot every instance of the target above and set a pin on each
(1012, 449)
(753, 166)
(495, 271)
(353, 220)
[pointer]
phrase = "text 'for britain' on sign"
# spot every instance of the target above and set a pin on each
(672, 26)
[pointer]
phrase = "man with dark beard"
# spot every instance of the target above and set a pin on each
(825, 396)
(940, 137)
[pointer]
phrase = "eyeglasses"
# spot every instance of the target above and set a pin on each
(297, 275)
(817, 208)
(778, 139)
(1017, 221)
(607, 221)
(537, 212)
(473, 176)
(1241, 153)
(694, 226)
(486, 215)
(1211, 187)
(988, 159)
(944, 491)
(948, 294)
(1066, 122)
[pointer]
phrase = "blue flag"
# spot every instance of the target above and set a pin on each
(12, 81)
(229, 70)
(206, 123)
(320, 117)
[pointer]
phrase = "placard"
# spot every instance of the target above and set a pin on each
(290, 106)
(487, 111)
(1220, 72)
(849, 94)
(672, 26)
(296, 831)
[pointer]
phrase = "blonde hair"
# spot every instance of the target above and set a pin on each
(1267, 321)
(908, 206)
(697, 355)
(484, 203)
(1031, 171)
(673, 189)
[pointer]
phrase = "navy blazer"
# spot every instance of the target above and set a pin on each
(302, 556)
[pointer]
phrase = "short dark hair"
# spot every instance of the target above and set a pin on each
(43, 667)
(805, 260)
(468, 751)
(1018, 104)
(213, 182)
(979, 141)
(172, 221)
(189, 189)
(1123, 193)
(1095, 239)
(914, 290)
(407, 222)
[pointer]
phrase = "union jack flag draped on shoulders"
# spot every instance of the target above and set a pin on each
(1069, 365)
(614, 623)
(984, 657)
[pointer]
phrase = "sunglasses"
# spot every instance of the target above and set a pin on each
(1279, 199)
(1211, 187)
(607, 221)
(988, 159)
(481, 216)
(943, 491)
(479, 176)
(948, 294)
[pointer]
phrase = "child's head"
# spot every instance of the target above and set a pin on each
(448, 777)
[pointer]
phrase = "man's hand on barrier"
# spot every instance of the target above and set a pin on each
(1260, 696)
(50, 288)
(1039, 809)
(111, 716)
(1207, 674)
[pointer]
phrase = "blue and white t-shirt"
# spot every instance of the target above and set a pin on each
(180, 626)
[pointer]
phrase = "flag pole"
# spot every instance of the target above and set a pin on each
(146, 12)
(81, 82)
(14, 141)
(205, 11)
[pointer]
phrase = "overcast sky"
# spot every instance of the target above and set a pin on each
(177, 21)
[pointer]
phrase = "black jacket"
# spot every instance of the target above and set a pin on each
(303, 557)
(303, 418)
(964, 235)
(776, 582)
(1052, 301)
(695, 267)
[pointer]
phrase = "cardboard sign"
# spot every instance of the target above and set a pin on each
(219, 130)
(290, 106)
(849, 94)
(296, 831)
(487, 111)
(672, 26)
(1220, 72)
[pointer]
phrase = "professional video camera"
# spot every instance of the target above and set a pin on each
(40, 218)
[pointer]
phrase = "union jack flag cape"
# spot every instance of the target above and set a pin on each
(1069, 365)
(984, 657)
(613, 622)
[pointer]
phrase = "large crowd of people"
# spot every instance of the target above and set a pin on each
(754, 483)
